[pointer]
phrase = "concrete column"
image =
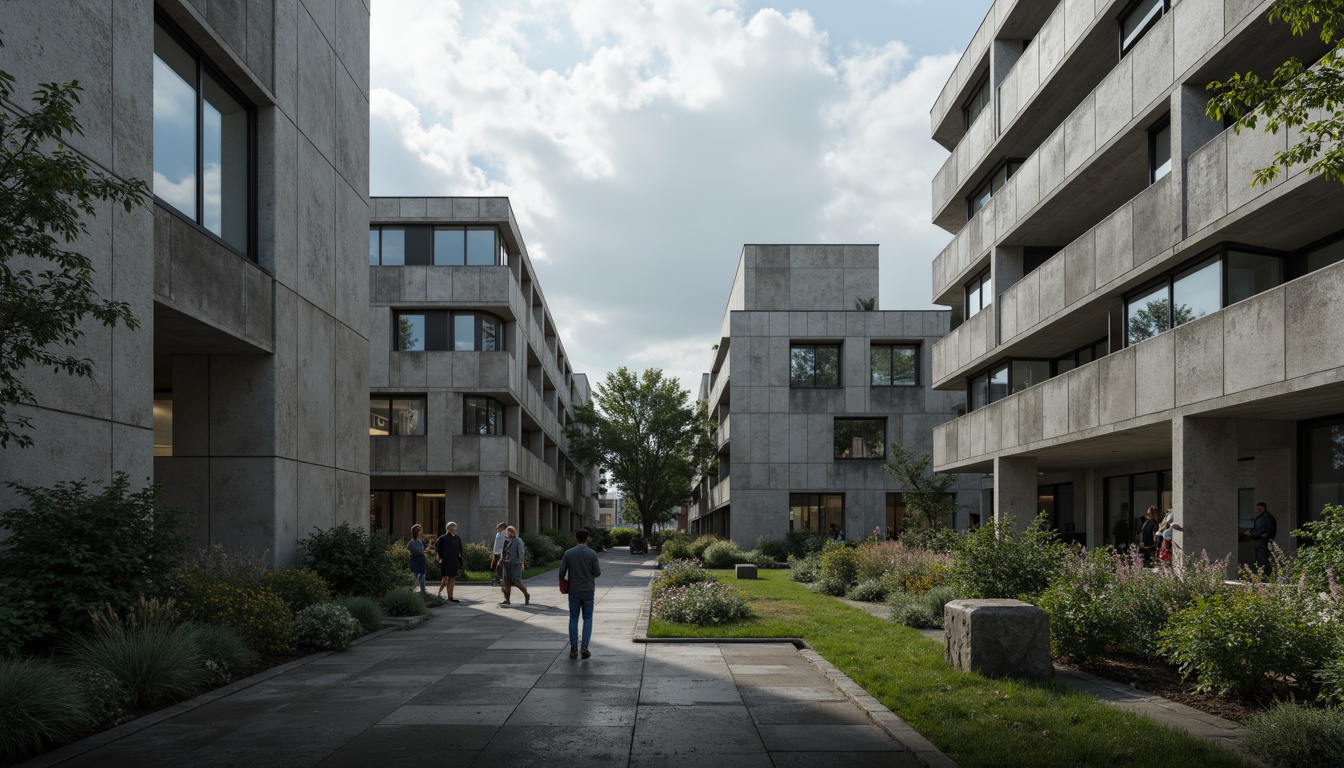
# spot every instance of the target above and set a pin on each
(1015, 490)
(1007, 269)
(529, 513)
(1204, 487)
(1275, 485)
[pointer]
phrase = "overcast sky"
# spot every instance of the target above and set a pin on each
(643, 142)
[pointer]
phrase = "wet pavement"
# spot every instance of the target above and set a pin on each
(484, 685)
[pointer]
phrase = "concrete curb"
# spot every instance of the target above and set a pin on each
(103, 738)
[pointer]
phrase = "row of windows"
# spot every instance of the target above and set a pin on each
(818, 365)
(435, 246)
(439, 330)
(996, 181)
(481, 415)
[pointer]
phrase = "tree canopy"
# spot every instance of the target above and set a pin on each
(47, 193)
(929, 493)
(648, 434)
(1300, 96)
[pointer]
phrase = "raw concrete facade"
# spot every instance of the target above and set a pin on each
(520, 472)
(1205, 418)
(251, 363)
(776, 440)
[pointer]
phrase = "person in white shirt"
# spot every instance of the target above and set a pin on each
(496, 553)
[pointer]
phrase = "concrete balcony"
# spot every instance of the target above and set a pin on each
(965, 345)
(945, 117)
(718, 495)
(724, 433)
(1276, 355)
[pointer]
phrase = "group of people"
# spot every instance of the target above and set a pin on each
(1155, 539)
(579, 569)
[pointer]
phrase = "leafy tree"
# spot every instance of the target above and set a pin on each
(630, 513)
(1299, 95)
(645, 431)
(927, 492)
(47, 193)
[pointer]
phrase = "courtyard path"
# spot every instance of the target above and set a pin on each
(484, 685)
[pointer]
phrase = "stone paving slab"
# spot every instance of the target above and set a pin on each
(491, 685)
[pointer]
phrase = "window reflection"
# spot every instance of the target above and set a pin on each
(482, 416)
(174, 124)
(860, 438)
(1146, 316)
(450, 247)
(1197, 293)
(464, 333)
(1251, 273)
(224, 160)
(410, 333)
(396, 416)
(481, 247)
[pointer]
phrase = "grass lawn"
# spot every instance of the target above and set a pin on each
(528, 572)
(975, 720)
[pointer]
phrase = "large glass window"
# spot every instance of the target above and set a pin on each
(1146, 316)
(814, 365)
(450, 246)
(202, 143)
(1029, 373)
(975, 106)
(443, 331)
(996, 181)
(979, 294)
(1137, 18)
(481, 249)
(1127, 500)
(1324, 255)
(464, 332)
(387, 247)
(1159, 150)
(817, 513)
(894, 365)
(1197, 292)
(410, 332)
(1324, 446)
(860, 438)
(998, 384)
(482, 416)
(470, 246)
(390, 415)
(1251, 273)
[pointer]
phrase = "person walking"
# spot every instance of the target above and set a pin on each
(1148, 536)
(450, 553)
(512, 566)
(418, 563)
(496, 554)
(581, 566)
(1166, 530)
(1264, 530)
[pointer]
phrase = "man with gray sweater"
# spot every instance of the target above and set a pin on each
(581, 566)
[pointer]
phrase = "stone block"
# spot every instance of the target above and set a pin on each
(746, 571)
(998, 638)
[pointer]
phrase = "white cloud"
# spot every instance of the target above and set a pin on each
(659, 136)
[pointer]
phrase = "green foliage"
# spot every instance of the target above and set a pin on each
(105, 698)
(805, 570)
(351, 560)
(830, 585)
(909, 569)
(257, 614)
(153, 656)
(563, 539)
(1232, 642)
(41, 705)
(622, 536)
(326, 627)
(1320, 554)
(367, 611)
(704, 603)
(129, 546)
(723, 554)
(937, 538)
(926, 492)
(920, 611)
(761, 560)
(599, 538)
(230, 566)
(1301, 98)
(870, 591)
(476, 556)
(223, 652)
(646, 431)
(680, 573)
(776, 549)
(840, 563)
(804, 543)
(539, 549)
(47, 293)
(865, 305)
(995, 562)
(1292, 736)
(676, 548)
(298, 587)
(22, 619)
(404, 602)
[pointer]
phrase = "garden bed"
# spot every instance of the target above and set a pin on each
(1166, 681)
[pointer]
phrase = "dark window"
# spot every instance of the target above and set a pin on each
(203, 131)
(1159, 150)
(387, 247)
(814, 365)
(860, 438)
(1127, 499)
(1137, 18)
(1322, 255)
(482, 416)
(979, 294)
(996, 181)
(443, 331)
(469, 246)
(975, 106)
(396, 415)
(816, 513)
(894, 365)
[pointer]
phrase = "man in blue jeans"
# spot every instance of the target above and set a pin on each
(582, 567)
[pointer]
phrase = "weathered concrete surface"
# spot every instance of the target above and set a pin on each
(746, 571)
(998, 638)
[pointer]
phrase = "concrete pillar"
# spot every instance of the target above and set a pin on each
(1275, 484)
(1204, 487)
(1015, 490)
(531, 521)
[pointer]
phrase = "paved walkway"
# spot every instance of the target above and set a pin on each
(489, 686)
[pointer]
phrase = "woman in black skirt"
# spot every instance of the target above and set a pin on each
(450, 556)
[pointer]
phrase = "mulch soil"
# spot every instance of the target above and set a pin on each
(1165, 681)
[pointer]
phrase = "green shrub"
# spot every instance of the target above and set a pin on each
(562, 539)
(840, 563)
(404, 602)
(365, 610)
(723, 554)
(127, 545)
(676, 548)
(351, 560)
(147, 651)
(680, 573)
(298, 587)
(105, 698)
(540, 550)
(22, 618)
(40, 705)
(936, 538)
(829, 585)
(1292, 736)
(1321, 553)
(701, 543)
(776, 549)
(1230, 642)
(761, 560)
(621, 536)
(258, 615)
(230, 566)
(805, 570)
(705, 603)
(902, 567)
(804, 543)
(222, 651)
(477, 557)
(994, 561)
(920, 611)
(870, 591)
(326, 626)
